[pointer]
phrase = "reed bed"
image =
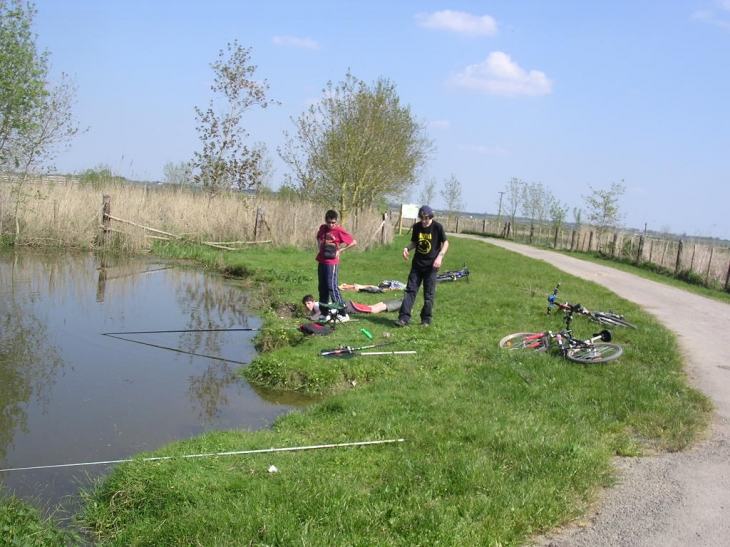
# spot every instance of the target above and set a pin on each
(70, 216)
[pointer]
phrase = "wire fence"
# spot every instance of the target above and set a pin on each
(698, 262)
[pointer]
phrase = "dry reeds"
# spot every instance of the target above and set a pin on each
(70, 216)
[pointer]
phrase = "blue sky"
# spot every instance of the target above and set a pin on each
(565, 93)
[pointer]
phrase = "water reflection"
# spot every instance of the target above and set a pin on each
(69, 394)
(28, 364)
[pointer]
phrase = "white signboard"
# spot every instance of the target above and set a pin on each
(408, 210)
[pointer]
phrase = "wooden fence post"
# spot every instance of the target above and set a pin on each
(106, 210)
(258, 223)
(679, 258)
(640, 249)
(457, 224)
(384, 233)
(727, 279)
(709, 263)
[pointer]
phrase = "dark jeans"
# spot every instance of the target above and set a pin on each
(329, 290)
(418, 275)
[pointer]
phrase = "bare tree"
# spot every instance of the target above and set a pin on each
(225, 161)
(38, 143)
(515, 194)
(177, 174)
(558, 212)
(428, 192)
(536, 203)
(603, 208)
(451, 192)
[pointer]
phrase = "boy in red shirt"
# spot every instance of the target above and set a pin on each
(330, 241)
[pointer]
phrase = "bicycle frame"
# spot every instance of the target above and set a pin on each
(606, 318)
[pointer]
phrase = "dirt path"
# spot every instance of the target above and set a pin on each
(671, 500)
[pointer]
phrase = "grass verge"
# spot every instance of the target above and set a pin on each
(500, 446)
(22, 524)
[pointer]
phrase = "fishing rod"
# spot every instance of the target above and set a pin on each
(186, 330)
(384, 353)
(110, 335)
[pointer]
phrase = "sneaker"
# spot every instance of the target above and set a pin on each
(343, 318)
(425, 324)
(400, 323)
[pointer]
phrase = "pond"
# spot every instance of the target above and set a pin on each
(102, 358)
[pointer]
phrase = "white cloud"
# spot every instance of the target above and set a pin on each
(306, 43)
(459, 22)
(719, 19)
(440, 124)
(500, 75)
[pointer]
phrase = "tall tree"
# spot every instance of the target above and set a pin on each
(36, 117)
(225, 161)
(451, 193)
(23, 72)
(603, 209)
(356, 146)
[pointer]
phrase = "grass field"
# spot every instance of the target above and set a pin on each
(499, 446)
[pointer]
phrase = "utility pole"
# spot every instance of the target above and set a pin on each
(499, 211)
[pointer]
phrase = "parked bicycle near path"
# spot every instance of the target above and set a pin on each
(608, 318)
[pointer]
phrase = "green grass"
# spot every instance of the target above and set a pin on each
(22, 524)
(500, 446)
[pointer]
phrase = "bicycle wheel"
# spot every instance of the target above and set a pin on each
(526, 341)
(591, 354)
(611, 319)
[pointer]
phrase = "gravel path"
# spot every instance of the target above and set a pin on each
(670, 500)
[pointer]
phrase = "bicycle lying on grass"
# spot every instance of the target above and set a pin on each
(608, 318)
(453, 275)
(590, 351)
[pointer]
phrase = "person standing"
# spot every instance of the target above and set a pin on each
(428, 238)
(330, 241)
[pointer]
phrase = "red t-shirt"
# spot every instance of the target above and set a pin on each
(336, 235)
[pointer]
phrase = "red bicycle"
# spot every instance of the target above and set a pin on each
(590, 351)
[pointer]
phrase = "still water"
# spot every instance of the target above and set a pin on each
(71, 392)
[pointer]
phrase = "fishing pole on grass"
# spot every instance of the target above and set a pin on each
(384, 353)
(348, 349)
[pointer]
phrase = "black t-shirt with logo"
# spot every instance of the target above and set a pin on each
(428, 241)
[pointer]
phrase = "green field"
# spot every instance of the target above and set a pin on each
(499, 446)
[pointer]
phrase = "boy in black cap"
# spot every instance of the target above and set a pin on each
(429, 240)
